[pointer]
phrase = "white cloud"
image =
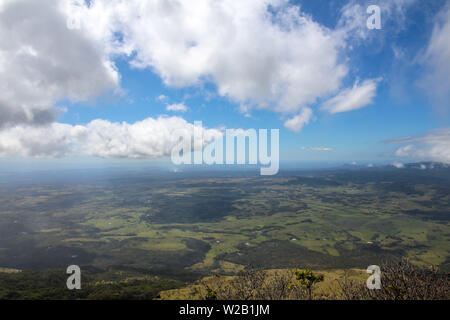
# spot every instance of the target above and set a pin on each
(354, 98)
(52, 140)
(437, 60)
(280, 60)
(434, 146)
(43, 62)
(149, 138)
(162, 98)
(180, 107)
(317, 148)
(398, 165)
(321, 149)
(299, 121)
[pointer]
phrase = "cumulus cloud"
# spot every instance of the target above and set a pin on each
(58, 50)
(52, 140)
(354, 98)
(276, 59)
(264, 54)
(180, 107)
(149, 138)
(434, 146)
(43, 62)
(297, 123)
(437, 61)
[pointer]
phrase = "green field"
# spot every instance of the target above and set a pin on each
(188, 225)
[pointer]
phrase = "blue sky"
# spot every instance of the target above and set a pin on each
(399, 67)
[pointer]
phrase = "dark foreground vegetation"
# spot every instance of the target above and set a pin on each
(51, 285)
(400, 281)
